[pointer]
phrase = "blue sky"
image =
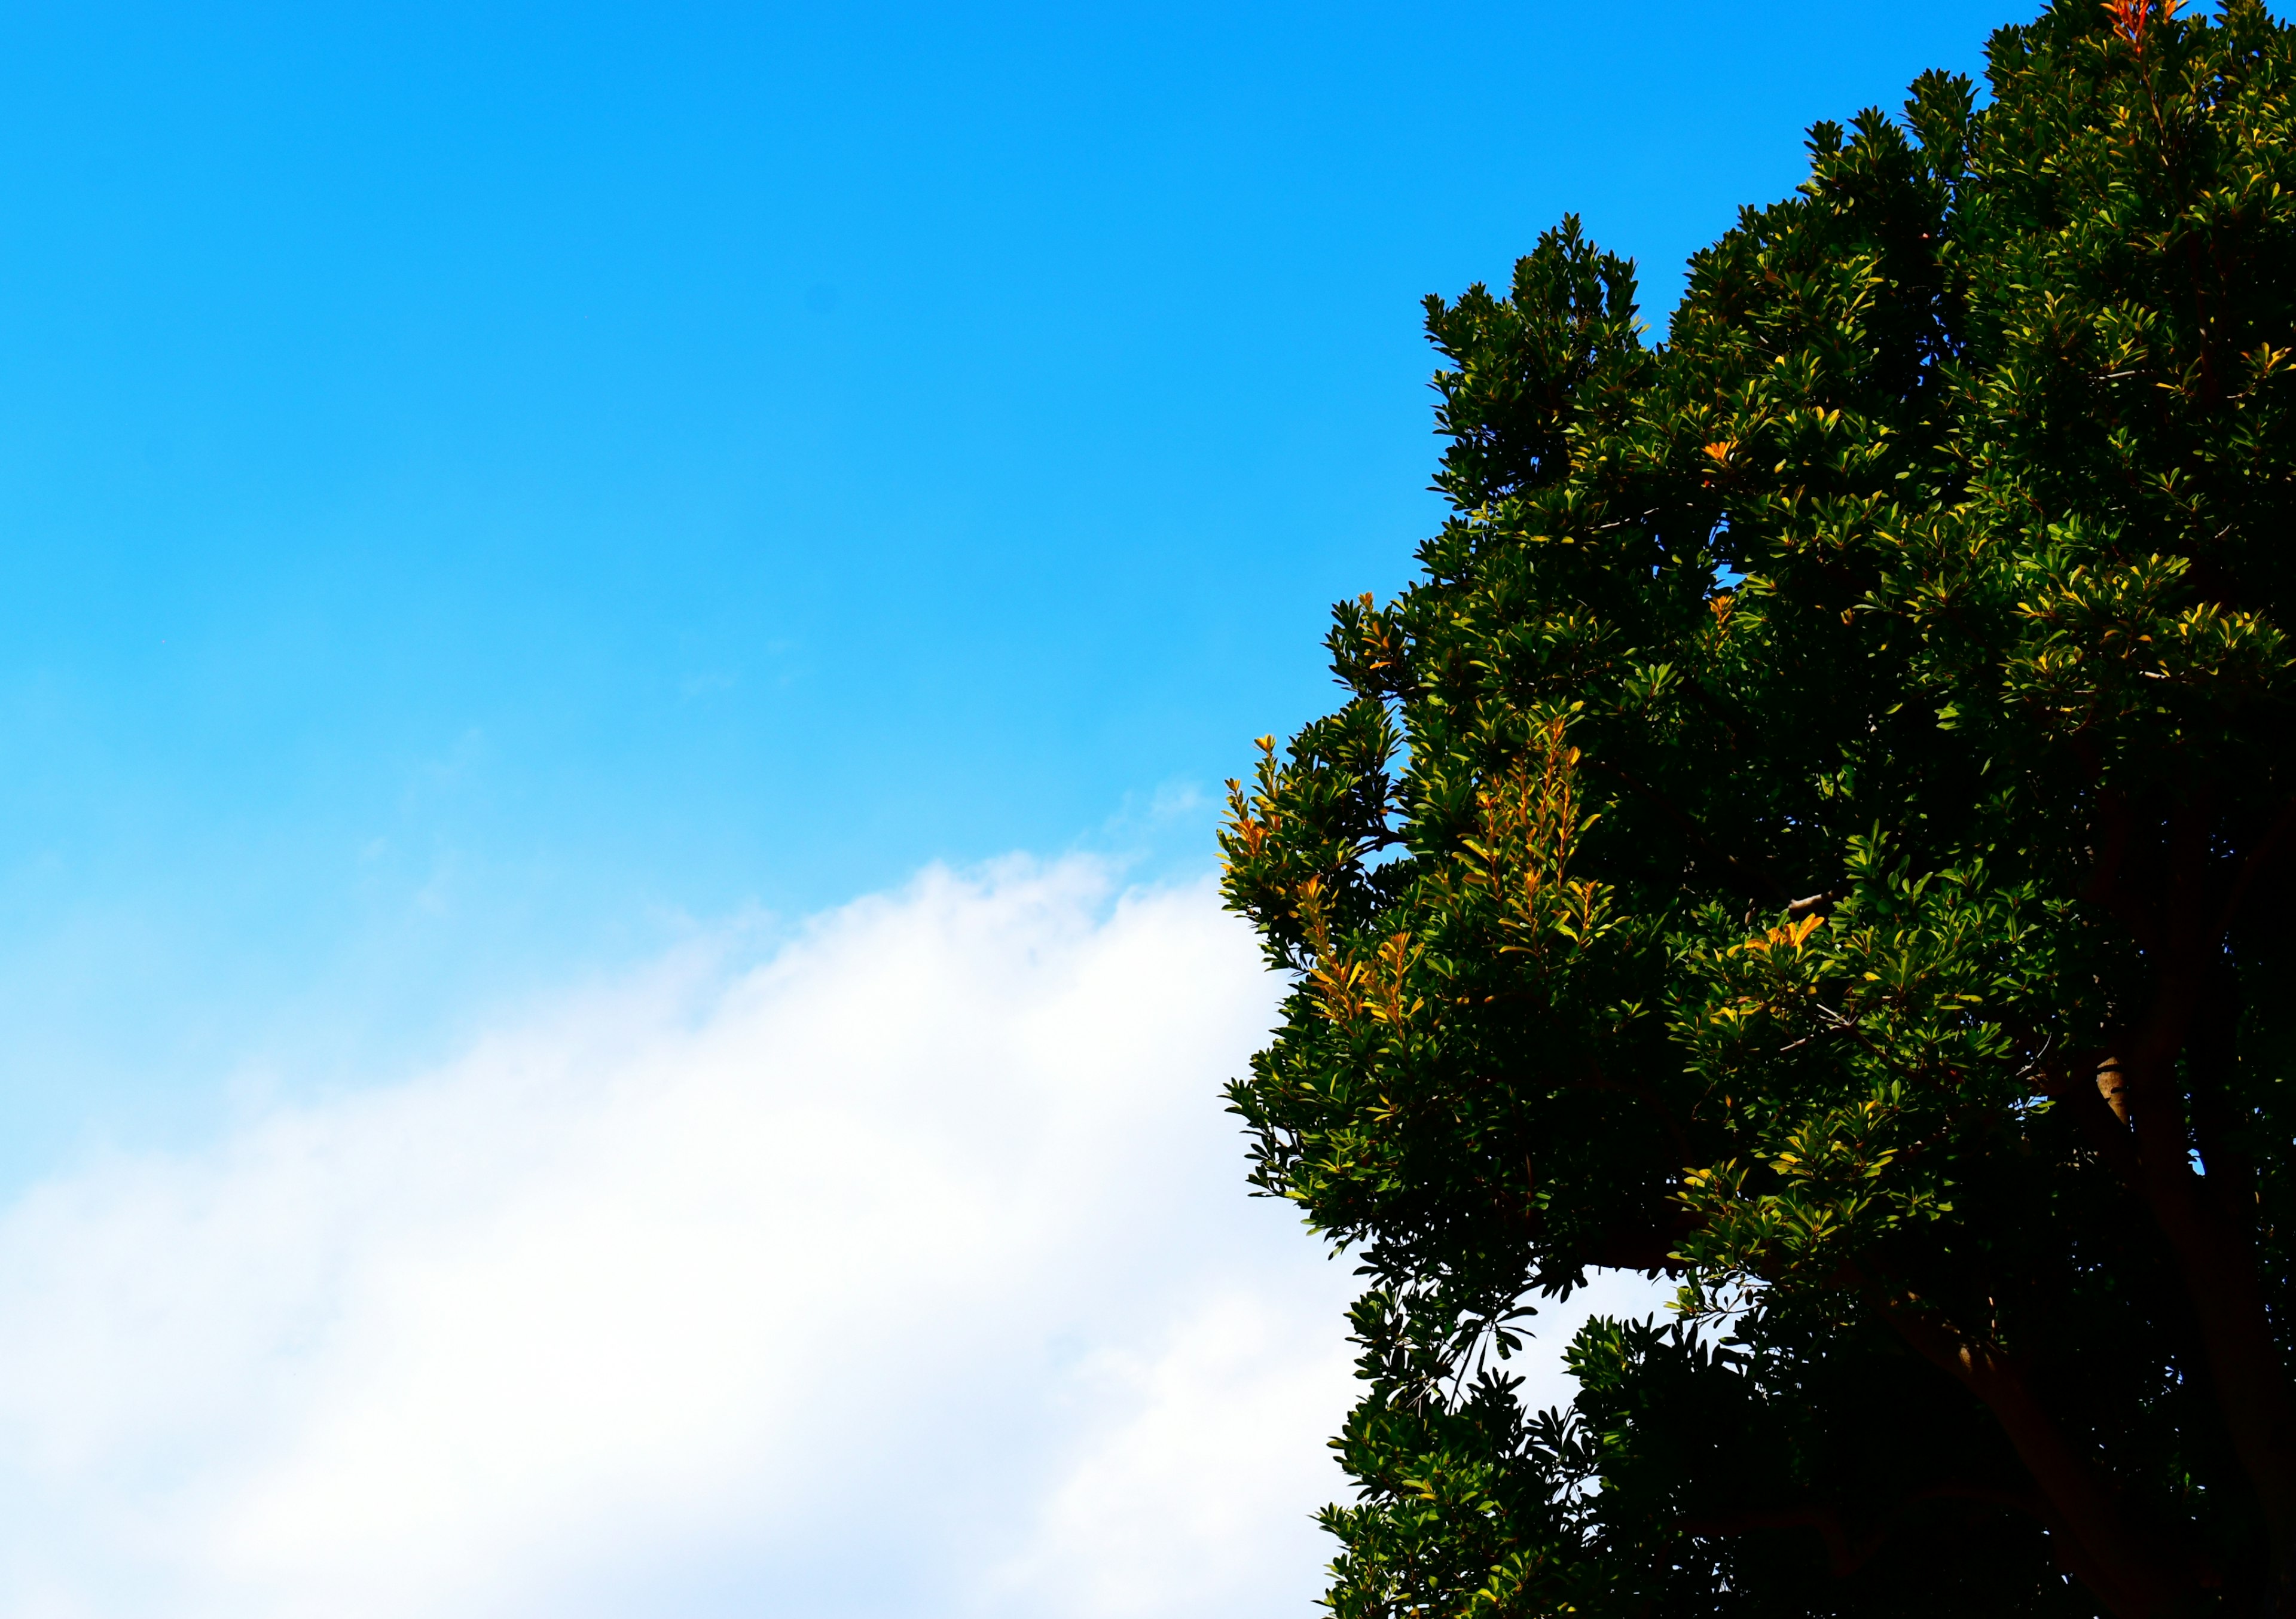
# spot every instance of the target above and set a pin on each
(498, 496)
(487, 483)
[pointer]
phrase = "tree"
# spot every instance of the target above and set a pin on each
(1818, 827)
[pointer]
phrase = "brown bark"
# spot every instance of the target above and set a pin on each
(2213, 1249)
(2095, 1540)
(1844, 1556)
(1847, 1552)
(2148, 1138)
(2218, 1265)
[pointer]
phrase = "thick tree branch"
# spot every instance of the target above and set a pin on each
(2099, 1545)
(2105, 887)
(1843, 1555)
(2214, 1252)
(1846, 1553)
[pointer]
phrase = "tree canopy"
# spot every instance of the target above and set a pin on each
(1818, 826)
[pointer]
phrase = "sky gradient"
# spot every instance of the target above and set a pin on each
(489, 486)
(504, 502)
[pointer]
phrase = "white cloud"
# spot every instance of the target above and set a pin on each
(908, 1274)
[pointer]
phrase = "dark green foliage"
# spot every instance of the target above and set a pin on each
(1820, 827)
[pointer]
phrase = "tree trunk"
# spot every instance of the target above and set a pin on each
(2214, 1249)
(2095, 1540)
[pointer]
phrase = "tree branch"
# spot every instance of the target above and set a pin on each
(1843, 1556)
(2098, 1544)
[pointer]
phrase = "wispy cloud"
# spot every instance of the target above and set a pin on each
(908, 1272)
